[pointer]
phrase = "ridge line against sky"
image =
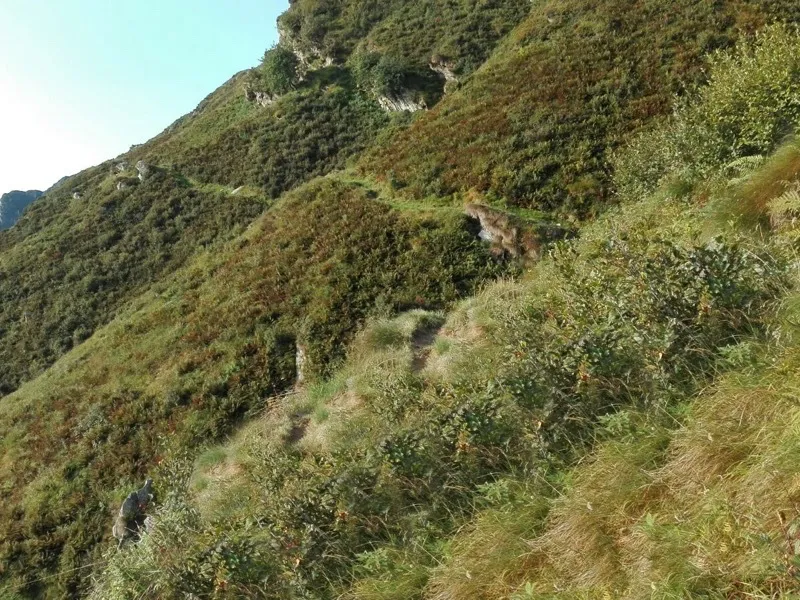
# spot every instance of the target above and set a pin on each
(83, 80)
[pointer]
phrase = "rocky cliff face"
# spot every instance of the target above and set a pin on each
(401, 102)
(13, 203)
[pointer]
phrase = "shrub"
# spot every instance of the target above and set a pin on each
(279, 70)
(379, 74)
(751, 102)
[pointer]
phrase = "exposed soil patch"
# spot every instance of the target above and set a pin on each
(298, 430)
(421, 344)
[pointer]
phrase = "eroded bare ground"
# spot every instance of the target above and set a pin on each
(421, 344)
(298, 430)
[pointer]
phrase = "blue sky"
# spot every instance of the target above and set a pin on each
(82, 80)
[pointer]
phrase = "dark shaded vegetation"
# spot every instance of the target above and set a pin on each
(69, 264)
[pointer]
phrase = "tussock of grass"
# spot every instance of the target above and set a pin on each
(701, 509)
(486, 559)
(751, 203)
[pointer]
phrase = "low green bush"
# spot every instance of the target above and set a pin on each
(751, 103)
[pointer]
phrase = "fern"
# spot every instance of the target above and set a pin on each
(785, 209)
(742, 168)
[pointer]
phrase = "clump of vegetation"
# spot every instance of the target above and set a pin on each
(751, 103)
(279, 70)
(379, 75)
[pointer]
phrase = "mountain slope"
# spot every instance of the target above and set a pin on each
(13, 203)
(152, 306)
(535, 126)
(557, 437)
(205, 347)
(80, 259)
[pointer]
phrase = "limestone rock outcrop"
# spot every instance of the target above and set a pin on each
(309, 56)
(144, 170)
(443, 67)
(402, 102)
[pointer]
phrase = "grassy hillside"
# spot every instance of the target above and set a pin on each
(461, 425)
(535, 125)
(203, 349)
(356, 484)
(74, 262)
(605, 426)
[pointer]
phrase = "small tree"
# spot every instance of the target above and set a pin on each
(378, 74)
(279, 69)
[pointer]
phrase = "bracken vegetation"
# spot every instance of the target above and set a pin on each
(535, 124)
(342, 391)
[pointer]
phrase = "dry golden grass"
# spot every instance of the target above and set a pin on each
(751, 201)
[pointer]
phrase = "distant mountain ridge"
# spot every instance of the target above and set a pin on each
(13, 203)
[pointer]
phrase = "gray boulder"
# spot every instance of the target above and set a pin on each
(144, 169)
(132, 517)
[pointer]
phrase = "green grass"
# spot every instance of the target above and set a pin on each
(616, 420)
(590, 79)
(463, 32)
(403, 461)
(199, 352)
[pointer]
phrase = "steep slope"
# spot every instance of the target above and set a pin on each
(90, 247)
(352, 487)
(13, 203)
(607, 426)
(214, 342)
(535, 126)
(187, 293)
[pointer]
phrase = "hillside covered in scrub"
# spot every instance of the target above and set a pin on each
(444, 300)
